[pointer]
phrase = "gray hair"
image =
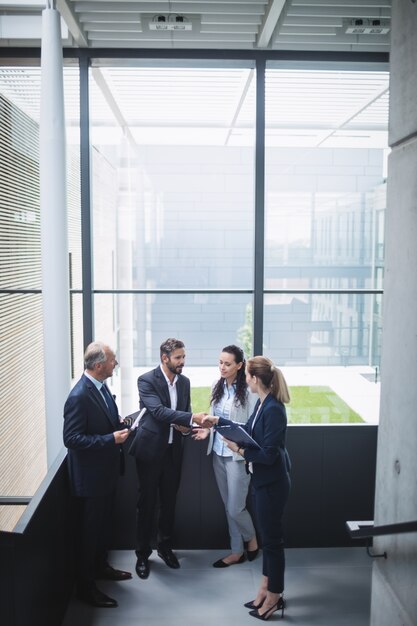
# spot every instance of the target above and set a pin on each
(94, 353)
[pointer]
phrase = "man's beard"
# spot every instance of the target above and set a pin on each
(175, 369)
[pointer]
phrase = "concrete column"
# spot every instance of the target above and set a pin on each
(125, 303)
(54, 239)
(394, 597)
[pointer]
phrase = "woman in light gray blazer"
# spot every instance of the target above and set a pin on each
(231, 399)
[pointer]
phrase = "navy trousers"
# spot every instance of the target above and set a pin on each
(269, 504)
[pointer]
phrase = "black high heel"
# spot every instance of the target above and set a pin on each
(278, 606)
(251, 605)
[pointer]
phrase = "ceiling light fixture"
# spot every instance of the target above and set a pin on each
(363, 26)
(170, 22)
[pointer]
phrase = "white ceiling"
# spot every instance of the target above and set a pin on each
(213, 103)
(215, 24)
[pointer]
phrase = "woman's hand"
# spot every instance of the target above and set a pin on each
(231, 445)
(200, 433)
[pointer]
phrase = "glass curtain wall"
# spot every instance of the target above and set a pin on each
(173, 196)
(23, 457)
(173, 211)
(173, 203)
(326, 149)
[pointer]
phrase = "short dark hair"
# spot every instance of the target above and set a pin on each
(170, 345)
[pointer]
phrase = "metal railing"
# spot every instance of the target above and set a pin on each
(367, 530)
(15, 500)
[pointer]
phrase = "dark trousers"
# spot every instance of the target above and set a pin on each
(269, 502)
(158, 483)
(93, 537)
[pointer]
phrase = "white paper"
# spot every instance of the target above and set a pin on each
(136, 421)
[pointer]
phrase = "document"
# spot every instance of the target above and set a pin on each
(235, 432)
(132, 420)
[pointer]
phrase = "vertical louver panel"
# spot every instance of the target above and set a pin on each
(22, 411)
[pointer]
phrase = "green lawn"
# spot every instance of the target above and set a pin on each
(200, 399)
(309, 405)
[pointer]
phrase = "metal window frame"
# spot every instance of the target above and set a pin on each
(260, 58)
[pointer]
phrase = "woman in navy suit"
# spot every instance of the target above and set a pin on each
(269, 466)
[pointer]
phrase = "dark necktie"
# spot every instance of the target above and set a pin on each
(110, 402)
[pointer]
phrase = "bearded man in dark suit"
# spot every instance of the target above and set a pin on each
(93, 434)
(157, 448)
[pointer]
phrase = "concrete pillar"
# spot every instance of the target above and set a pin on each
(394, 597)
(54, 240)
(126, 230)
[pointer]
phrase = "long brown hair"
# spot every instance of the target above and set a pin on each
(270, 376)
(241, 386)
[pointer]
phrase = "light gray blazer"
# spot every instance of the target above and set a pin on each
(239, 414)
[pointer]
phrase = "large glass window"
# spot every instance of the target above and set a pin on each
(175, 190)
(173, 196)
(173, 202)
(326, 150)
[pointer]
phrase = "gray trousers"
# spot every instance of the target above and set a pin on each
(233, 483)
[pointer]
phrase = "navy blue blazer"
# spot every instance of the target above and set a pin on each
(94, 458)
(152, 435)
(271, 462)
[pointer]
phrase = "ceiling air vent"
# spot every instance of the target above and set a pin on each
(363, 26)
(171, 21)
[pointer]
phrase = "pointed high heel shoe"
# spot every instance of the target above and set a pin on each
(278, 606)
(251, 605)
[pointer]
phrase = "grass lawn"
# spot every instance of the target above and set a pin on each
(309, 405)
(200, 399)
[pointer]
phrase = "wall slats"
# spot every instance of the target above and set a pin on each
(22, 410)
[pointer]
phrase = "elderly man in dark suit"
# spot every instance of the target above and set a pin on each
(157, 447)
(93, 434)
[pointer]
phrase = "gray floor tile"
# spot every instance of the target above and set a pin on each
(329, 587)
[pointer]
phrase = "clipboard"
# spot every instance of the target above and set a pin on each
(235, 432)
(134, 418)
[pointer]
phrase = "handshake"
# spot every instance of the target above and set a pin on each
(204, 420)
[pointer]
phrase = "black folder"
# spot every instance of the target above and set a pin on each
(235, 432)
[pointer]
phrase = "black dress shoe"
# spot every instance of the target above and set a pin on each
(142, 567)
(169, 557)
(221, 563)
(95, 597)
(109, 573)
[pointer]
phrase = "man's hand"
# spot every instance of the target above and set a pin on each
(182, 429)
(120, 436)
(205, 420)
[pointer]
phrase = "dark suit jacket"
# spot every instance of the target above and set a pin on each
(271, 462)
(93, 456)
(152, 435)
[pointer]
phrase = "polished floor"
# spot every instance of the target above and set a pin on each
(324, 587)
